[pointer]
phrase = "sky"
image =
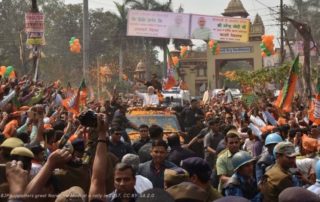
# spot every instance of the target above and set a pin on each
(267, 9)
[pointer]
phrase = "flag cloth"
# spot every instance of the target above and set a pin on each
(72, 104)
(309, 144)
(314, 111)
(83, 93)
(285, 97)
(171, 81)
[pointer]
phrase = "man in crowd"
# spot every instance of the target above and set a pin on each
(278, 178)
(242, 182)
(156, 133)
(116, 146)
(190, 114)
(177, 153)
(124, 182)
(211, 141)
(120, 120)
(267, 158)
(142, 183)
(154, 169)
(144, 138)
(200, 172)
(224, 165)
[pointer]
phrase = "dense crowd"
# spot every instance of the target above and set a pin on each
(227, 150)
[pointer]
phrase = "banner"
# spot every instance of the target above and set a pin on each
(220, 28)
(34, 22)
(187, 26)
(34, 27)
(158, 24)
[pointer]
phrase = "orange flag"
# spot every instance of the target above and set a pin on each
(309, 144)
(72, 104)
(285, 97)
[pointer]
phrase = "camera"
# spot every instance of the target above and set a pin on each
(88, 119)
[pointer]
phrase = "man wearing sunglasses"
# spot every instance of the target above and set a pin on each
(116, 146)
(144, 138)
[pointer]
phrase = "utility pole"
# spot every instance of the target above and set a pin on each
(305, 31)
(281, 32)
(85, 37)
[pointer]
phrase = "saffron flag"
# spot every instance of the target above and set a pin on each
(285, 97)
(309, 144)
(83, 93)
(171, 81)
(314, 112)
(72, 104)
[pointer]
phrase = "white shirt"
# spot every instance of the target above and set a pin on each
(315, 188)
(248, 145)
(148, 99)
(142, 184)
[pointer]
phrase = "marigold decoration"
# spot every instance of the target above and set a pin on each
(183, 51)
(175, 61)
(125, 77)
(74, 44)
(214, 46)
(267, 45)
(231, 75)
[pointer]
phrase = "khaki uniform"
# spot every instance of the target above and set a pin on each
(213, 194)
(224, 166)
(274, 182)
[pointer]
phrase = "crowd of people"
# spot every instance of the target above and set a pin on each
(226, 151)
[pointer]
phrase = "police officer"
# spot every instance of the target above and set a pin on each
(242, 182)
(18, 154)
(267, 159)
(278, 177)
(7, 146)
(315, 188)
(24, 155)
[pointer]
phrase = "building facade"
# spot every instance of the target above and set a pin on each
(203, 70)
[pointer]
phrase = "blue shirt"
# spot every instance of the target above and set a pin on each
(240, 188)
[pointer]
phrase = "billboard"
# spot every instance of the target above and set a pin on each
(187, 26)
(220, 28)
(34, 27)
(158, 24)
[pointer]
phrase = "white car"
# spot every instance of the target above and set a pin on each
(236, 93)
(177, 95)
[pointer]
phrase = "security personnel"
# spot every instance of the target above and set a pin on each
(24, 155)
(19, 154)
(315, 188)
(267, 159)
(242, 182)
(7, 146)
(278, 177)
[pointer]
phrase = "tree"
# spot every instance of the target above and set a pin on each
(149, 43)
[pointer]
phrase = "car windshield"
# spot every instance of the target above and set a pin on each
(169, 123)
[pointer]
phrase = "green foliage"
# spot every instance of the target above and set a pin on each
(62, 21)
(258, 78)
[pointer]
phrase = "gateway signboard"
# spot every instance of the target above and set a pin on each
(187, 26)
